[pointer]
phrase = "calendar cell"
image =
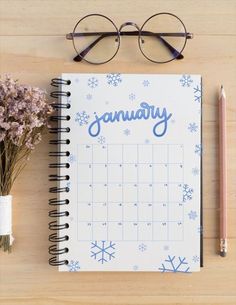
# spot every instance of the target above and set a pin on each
(84, 173)
(115, 231)
(130, 173)
(144, 154)
(145, 231)
(115, 154)
(100, 211)
(130, 154)
(100, 192)
(114, 192)
(175, 172)
(130, 212)
(85, 154)
(115, 172)
(85, 230)
(99, 172)
(115, 211)
(100, 230)
(176, 231)
(85, 211)
(160, 154)
(175, 153)
(160, 231)
(99, 154)
(130, 230)
(145, 172)
(85, 192)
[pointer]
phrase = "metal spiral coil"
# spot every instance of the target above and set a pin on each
(54, 225)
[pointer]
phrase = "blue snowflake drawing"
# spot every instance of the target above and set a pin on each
(196, 259)
(186, 80)
(135, 267)
(197, 93)
(198, 149)
(82, 118)
(89, 96)
(101, 140)
(92, 82)
(192, 127)
(195, 171)
(146, 83)
(142, 247)
(187, 193)
(132, 96)
(73, 266)
(192, 215)
(166, 248)
(103, 251)
(114, 79)
(71, 158)
(127, 132)
(172, 264)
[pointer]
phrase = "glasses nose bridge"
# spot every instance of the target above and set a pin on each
(129, 23)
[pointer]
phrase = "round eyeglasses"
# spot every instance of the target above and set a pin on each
(162, 38)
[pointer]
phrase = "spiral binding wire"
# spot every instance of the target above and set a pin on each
(54, 225)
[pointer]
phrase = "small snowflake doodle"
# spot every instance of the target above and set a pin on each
(142, 247)
(196, 258)
(89, 96)
(114, 79)
(198, 149)
(92, 82)
(146, 83)
(195, 171)
(172, 264)
(71, 158)
(135, 267)
(166, 248)
(126, 132)
(186, 80)
(132, 96)
(192, 215)
(197, 94)
(73, 266)
(103, 251)
(82, 118)
(101, 140)
(192, 127)
(187, 193)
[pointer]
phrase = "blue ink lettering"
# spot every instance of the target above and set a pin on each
(145, 112)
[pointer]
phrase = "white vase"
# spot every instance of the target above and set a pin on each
(6, 216)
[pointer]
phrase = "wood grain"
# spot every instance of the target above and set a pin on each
(33, 49)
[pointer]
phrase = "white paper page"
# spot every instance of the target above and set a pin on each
(135, 172)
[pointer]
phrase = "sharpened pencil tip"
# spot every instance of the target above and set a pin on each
(222, 92)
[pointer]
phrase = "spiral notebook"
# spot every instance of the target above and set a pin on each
(129, 173)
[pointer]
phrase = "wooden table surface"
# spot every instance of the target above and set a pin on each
(33, 48)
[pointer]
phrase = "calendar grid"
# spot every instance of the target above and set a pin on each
(125, 194)
(168, 189)
(137, 189)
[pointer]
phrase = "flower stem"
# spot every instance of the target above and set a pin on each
(5, 243)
